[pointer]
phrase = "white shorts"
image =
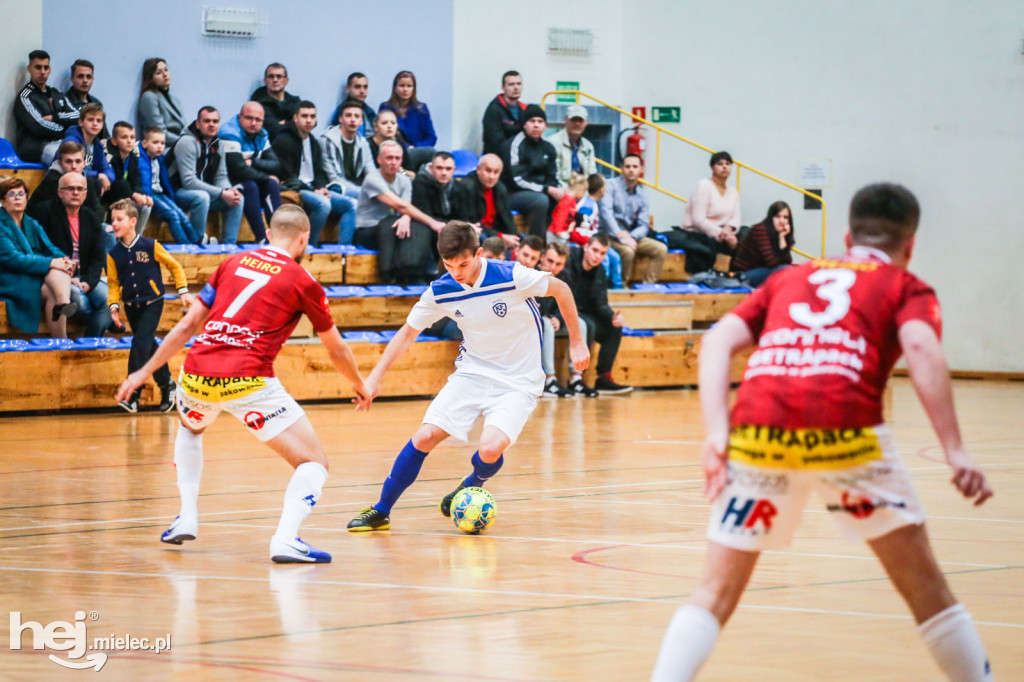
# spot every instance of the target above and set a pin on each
(261, 403)
(464, 398)
(857, 472)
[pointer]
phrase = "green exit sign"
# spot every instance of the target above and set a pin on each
(665, 115)
(566, 85)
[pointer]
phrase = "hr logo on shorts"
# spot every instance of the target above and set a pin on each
(500, 308)
(748, 513)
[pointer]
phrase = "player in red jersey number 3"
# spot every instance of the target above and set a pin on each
(243, 316)
(808, 418)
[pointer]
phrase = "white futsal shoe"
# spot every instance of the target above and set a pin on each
(296, 551)
(180, 531)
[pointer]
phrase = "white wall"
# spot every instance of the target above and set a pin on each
(492, 37)
(928, 94)
(23, 21)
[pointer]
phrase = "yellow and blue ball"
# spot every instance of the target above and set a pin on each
(473, 510)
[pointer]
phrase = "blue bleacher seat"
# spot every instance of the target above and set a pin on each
(655, 287)
(465, 162)
(10, 159)
(385, 290)
(13, 345)
(629, 331)
(415, 290)
(365, 337)
(344, 291)
(49, 344)
(390, 334)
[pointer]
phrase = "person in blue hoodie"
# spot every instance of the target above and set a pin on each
(156, 182)
(252, 165)
(87, 133)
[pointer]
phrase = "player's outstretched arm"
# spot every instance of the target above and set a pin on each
(342, 358)
(173, 342)
(400, 343)
(579, 353)
(930, 376)
(727, 338)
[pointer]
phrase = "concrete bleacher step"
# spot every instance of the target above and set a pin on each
(70, 377)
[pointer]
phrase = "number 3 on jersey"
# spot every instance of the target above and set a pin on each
(259, 280)
(835, 288)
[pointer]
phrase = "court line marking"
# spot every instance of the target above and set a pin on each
(470, 590)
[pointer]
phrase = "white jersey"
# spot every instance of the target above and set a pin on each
(499, 319)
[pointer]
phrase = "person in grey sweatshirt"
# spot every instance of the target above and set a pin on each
(200, 175)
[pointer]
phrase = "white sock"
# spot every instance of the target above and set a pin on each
(188, 461)
(302, 493)
(955, 645)
(687, 644)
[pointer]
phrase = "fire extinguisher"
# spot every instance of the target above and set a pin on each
(636, 143)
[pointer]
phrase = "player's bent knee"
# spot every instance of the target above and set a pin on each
(427, 437)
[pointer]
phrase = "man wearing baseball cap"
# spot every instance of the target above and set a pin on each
(575, 152)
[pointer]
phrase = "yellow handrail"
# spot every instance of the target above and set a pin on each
(657, 164)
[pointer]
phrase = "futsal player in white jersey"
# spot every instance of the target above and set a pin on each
(498, 373)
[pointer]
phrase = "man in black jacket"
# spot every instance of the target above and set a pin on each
(586, 277)
(80, 92)
(303, 170)
(78, 232)
(279, 105)
(482, 200)
(503, 117)
(70, 159)
(531, 174)
(42, 113)
(433, 189)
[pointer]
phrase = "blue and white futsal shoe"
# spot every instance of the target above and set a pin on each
(180, 531)
(296, 552)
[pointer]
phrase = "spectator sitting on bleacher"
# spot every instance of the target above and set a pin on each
(32, 270)
(625, 217)
(252, 165)
(585, 276)
(575, 152)
(553, 262)
(386, 128)
(70, 159)
(41, 113)
(304, 170)
(767, 246)
(123, 156)
(346, 151)
(530, 171)
(91, 121)
(481, 199)
(503, 117)
(157, 106)
(576, 219)
(388, 223)
(529, 251)
(80, 92)
(357, 87)
(413, 118)
(200, 174)
(712, 219)
(433, 188)
(78, 233)
(156, 183)
(279, 105)
(493, 248)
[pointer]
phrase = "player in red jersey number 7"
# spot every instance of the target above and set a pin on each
(244, 314)
(808, 417)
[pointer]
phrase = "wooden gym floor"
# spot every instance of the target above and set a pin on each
(599, 537)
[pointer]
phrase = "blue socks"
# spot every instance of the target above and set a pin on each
(403, 472)
(482, 471)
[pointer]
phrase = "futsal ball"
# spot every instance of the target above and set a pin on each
(473, 510)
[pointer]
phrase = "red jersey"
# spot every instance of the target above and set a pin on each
(827, 341)
(255, 299)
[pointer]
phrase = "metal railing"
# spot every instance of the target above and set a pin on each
(656, 185)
